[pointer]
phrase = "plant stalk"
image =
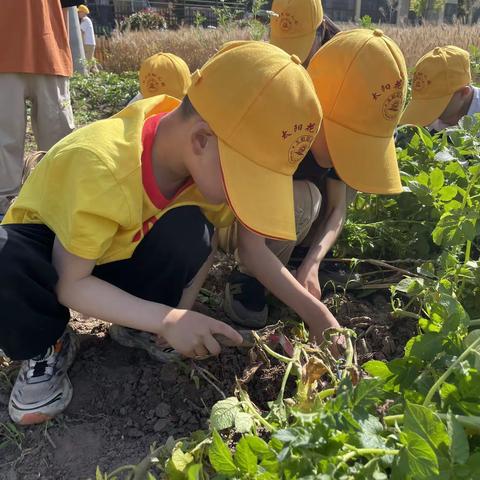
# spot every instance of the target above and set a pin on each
(450, 369)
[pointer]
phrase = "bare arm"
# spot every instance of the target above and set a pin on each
(188, 332)
(267, 268)
(325, 236)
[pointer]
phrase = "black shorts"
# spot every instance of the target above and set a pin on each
(163, 264)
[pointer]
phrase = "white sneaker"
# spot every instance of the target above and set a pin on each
(42, 388)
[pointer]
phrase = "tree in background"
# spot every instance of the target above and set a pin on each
(466, 9)
(424, 7)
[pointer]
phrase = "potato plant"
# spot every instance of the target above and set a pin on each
(415, 417)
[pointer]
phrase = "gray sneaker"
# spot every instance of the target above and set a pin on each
(129, 337)
(42, 388)
(245, 301)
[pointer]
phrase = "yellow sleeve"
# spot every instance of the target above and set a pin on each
(81, 201)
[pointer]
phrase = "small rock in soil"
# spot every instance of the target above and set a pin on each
(134, 433)
(161, 424)
(162, 410)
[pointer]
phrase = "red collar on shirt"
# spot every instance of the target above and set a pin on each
(149, 183)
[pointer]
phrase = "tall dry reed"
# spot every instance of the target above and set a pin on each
(125, 52)
(416, 41)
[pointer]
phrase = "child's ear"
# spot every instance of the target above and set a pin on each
(464, 91)
(201, 134)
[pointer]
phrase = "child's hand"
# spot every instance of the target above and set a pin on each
(319, 318)
(307, 276)
(192, 334)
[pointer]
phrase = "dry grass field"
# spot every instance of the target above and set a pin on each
(125, 52)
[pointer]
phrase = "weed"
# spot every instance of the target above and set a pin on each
(10, 435)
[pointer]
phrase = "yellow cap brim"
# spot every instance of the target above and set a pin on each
(424, 112)
(262, 200)
(299, 46)
(367, 164)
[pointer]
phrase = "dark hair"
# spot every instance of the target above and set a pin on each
(186, 108)
(327, 30)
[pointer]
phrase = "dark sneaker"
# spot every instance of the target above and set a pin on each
(331, 275)
(42, 389)
(298, 255)
(129, 337)
(245, 301)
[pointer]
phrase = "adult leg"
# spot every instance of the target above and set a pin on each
(52, 116)
(12, 136)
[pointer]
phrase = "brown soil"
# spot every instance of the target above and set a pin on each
(124, 401)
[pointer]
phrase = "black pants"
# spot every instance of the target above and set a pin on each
(163, 264)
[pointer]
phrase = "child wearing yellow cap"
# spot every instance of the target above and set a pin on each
(118, 220)
(163, 74)
(442, 90)
(88, 33)
(300, 28)
(360, 78)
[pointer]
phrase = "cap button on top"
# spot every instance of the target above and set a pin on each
(378, 33)
(196, 77)
(437, 50)
(295, 59)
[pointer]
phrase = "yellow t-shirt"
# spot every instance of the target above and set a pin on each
(88, 188)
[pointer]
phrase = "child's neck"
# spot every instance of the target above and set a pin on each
(168, 162)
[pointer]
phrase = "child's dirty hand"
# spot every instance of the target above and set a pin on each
(192, 334)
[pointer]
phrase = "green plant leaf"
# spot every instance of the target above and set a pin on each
(257, 445)
(425, 347)
(244, 458)
(379, 369)
(220, 456)
(417, 460)
(285, 436)
(223, 413)
(243, 422)
(437, 179)
(99, 475)
(178, 463)
(370, 433)
(448, 193)
(459, 447)
(471, 337)
(427, 424)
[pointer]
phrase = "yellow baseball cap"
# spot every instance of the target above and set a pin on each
(438, 75)
(83, 8)
(361, 80)
(164, 73)
(261, 104)
(294, 25)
